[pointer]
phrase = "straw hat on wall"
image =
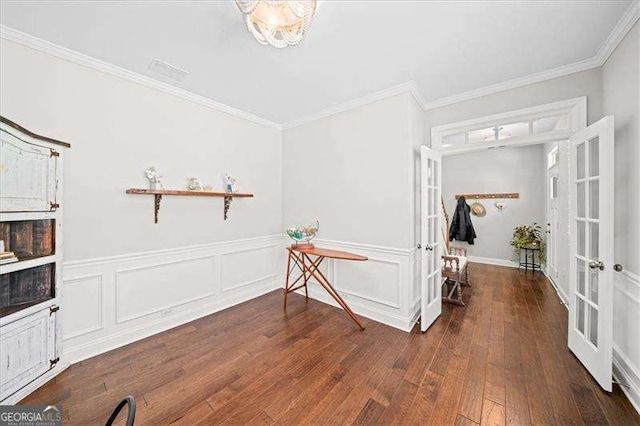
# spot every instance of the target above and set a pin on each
(478, 209)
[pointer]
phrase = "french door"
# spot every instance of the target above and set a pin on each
(431, 240)
(591, 263)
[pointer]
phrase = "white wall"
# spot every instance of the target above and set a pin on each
(187, 265)
(621, 90)
(117, 128)
(350, 171)
(498, 170)
(353, 172)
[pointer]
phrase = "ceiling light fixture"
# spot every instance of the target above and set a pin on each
(280, 23)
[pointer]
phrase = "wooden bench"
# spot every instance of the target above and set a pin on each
(455, 274)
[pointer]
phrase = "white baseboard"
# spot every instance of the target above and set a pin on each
(561, 294)
(628, 377)
(130, 335)
(626, 370)
(114, 301)
(366, 310)
(95, 290)
(493, 261)
(380, 289)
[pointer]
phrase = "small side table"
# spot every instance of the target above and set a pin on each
(530, 252)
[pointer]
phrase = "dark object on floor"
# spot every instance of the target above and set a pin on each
(529, 263)
(461, 226)
(128, 400)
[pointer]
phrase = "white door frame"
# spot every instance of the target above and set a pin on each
(551, 213)
(574, 109)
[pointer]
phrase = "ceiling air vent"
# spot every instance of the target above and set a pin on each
(168, 70)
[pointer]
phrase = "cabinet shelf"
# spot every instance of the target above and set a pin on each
(158, 193)
(5, 311)
(26, 263)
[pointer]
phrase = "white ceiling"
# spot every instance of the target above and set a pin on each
(353, 48)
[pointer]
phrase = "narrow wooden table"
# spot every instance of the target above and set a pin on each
(302, 259)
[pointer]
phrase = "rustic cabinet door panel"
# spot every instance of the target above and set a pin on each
(26, 348)
(27, 176)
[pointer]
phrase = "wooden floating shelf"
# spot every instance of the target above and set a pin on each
(158, 193)
(489, 196)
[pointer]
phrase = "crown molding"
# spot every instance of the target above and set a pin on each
(407, 87)
(624, 25)
(30, 41)
(514, 83)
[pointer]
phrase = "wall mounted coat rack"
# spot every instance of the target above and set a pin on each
(158, 193)
(489, 196)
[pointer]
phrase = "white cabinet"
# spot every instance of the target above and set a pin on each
(31, 228)
(28, 349)
(28, 173)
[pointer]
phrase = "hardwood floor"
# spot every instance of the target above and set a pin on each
(502, 359)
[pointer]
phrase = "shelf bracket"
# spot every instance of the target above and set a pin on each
(158, 198)
(227, 204)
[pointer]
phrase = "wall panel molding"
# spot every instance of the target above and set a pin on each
(399, 311)
(70, 285)
(626, 368)
(195, 269)
(391, 303)
(261, 277)
(625, 372)
(120, 276)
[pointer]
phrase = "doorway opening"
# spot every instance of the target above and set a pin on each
(576, 165)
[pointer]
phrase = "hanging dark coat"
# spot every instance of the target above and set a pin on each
(461, 227)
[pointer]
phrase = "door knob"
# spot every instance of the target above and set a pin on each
(428, 247)
(419, 246)
(596, 265)
(618, 267)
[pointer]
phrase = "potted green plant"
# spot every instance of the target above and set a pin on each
(528, 236)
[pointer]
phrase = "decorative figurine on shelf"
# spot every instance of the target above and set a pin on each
(229, 183)
(194, 184)
(208, 188)
(154, 178)
(302, 235)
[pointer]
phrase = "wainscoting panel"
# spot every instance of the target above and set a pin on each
(626, 335)
(379, 289)
(112, 301)
(249, 266)
(85, 294)
(377, 280)
(144, 290)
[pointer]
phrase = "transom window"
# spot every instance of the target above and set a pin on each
(506, 131)
(539, 124)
